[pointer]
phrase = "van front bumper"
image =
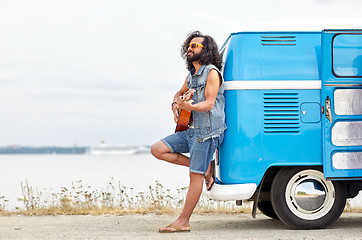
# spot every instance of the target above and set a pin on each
(230, 192)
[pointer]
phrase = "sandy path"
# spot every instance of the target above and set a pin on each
(240, 226)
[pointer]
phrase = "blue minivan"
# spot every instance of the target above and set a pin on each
(294, 115)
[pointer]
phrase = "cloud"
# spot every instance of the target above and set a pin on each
(86, 70)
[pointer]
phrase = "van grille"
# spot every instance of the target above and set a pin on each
(281, 112)
(278, 40)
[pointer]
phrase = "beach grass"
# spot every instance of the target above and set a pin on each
(116, 199)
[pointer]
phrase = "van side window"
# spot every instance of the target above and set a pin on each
(347, 55)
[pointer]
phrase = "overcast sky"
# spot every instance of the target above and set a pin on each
(83, 71)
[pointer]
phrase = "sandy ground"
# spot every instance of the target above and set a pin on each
(238, 226)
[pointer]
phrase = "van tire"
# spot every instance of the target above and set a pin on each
(266, 208)
(303, 199)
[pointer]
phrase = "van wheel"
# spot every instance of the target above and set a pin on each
(303, 199)
(266, 208)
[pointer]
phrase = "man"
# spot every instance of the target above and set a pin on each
(205, 84)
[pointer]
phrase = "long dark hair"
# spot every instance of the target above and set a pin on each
(209, 55)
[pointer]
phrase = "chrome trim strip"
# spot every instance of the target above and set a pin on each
(343, 85)
(272, 84)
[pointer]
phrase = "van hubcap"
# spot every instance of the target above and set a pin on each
(308, 195)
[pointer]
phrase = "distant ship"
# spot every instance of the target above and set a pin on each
(117, 149)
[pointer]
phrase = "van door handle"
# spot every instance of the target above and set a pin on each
(328, 112)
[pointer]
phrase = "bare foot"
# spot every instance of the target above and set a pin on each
(209, 183)
(209, 178)
(174, 228)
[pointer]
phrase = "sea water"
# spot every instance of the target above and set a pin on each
(52, 172)
(49, 173)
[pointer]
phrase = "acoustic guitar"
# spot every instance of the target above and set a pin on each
(184, 117)
(183, 120)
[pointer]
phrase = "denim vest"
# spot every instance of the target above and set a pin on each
(208, 124)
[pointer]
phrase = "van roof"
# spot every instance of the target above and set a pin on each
(302, 25)
(272, 56)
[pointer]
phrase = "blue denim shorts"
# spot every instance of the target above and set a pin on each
(201, 153)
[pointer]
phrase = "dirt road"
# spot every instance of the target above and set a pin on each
(240, 226)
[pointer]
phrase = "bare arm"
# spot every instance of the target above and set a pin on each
(213, 83)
